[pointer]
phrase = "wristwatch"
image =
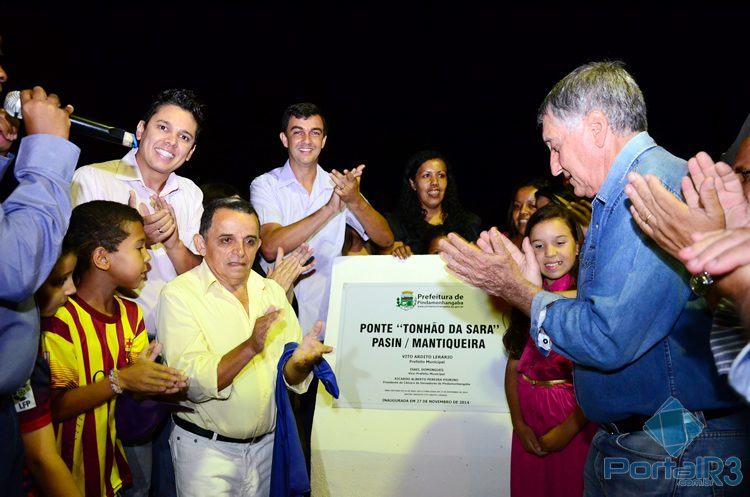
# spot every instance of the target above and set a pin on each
(701, 283)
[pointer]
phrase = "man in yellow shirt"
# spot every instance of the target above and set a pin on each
(225, 326)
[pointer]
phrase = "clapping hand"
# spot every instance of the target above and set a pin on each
(310, 351)
(347, 183)
(493, 241)
(148, 377)
(159, 226)
(286, 269)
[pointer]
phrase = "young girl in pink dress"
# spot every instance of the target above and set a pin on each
(550, 434)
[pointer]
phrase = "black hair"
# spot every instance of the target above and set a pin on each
(554, 211)
(303, 110)
(538, 183)
(553, 191)
(235, 204)
(516, 334)
(99, 223)
(212, 191)
(185, 99)
(410, 211)
(69, 244)
(431, 233)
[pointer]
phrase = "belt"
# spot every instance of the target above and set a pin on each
(636, 423)
(546, 383)
(197, 430)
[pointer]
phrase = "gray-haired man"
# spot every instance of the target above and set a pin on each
(638, 339)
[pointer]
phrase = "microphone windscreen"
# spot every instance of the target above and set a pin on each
(12, 104)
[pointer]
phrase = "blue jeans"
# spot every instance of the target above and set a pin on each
(621, 465)
(11, 450)
(139, 460)
(162, 471)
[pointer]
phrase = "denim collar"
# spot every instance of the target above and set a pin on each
(623, 164)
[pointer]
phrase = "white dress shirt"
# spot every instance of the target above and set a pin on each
(279, 198)
(114, 180)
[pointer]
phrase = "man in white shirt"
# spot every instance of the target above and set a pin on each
(145, 178)
(171, 207)
(301, 202)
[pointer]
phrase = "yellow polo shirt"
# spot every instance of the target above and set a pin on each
(198, 322)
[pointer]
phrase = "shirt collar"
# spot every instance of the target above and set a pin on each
(322, 180)
(128, 170)
(207, 278)
(623, 164)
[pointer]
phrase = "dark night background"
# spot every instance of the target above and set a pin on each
(391, 79)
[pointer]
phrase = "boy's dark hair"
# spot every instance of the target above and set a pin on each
(302, 110)
(235, 204)
(69, 244)
(185, 99)
(98, 223)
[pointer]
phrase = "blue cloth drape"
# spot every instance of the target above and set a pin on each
(289, 473)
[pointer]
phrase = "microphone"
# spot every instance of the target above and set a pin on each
(82, 125)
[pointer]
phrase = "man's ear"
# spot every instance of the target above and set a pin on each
(100, 258)
(200, 244)
(139, 129)
(598, 125)
(190, 154)
(323, 143)
(284, 139)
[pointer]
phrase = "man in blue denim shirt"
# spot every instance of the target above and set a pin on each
(33, 221)
(635, 335)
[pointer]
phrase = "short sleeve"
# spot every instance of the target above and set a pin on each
(140, 342)
(352, 221)
(59, 348)
(82, 188)
(36, 413)
(265, 200)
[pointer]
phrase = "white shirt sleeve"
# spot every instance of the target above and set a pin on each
(265, 200)
(83, 189)
(352, 221)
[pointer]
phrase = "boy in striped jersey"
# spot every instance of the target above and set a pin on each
(94, 342)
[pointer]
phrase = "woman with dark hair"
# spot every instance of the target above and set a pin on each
(428, 198)
(522, 207)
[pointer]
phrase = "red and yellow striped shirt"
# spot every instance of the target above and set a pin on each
(83, 345)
